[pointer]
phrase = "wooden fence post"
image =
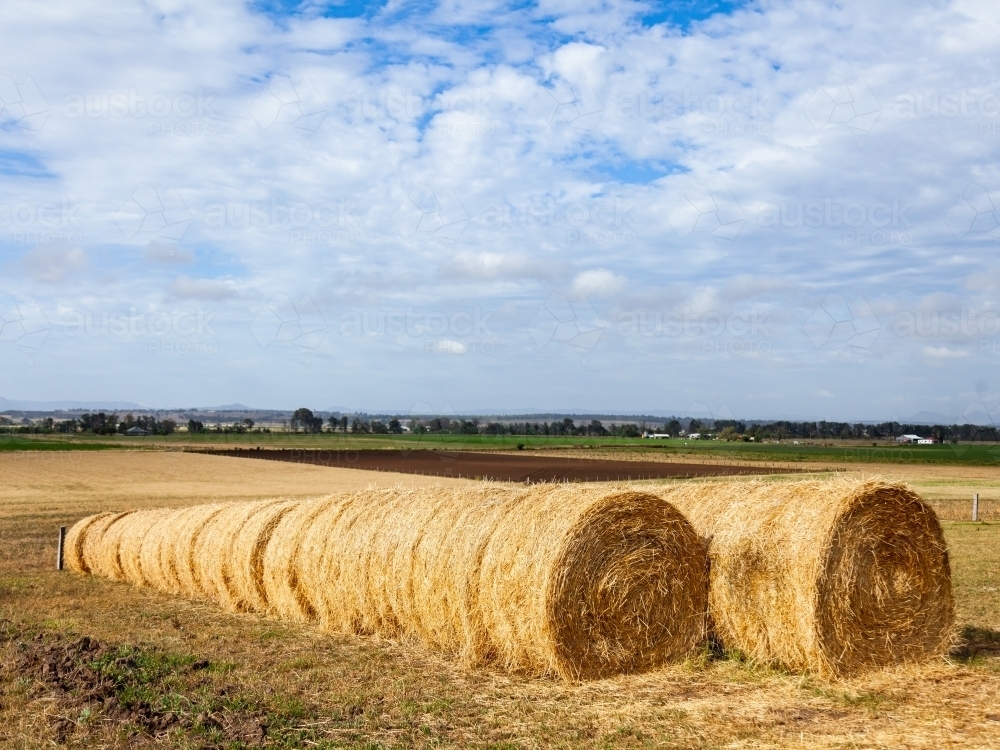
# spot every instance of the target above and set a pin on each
(975, 507)
(62, 545)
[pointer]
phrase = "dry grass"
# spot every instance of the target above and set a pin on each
(366, 692)
(581, 582)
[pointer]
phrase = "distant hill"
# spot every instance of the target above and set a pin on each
(14, 405)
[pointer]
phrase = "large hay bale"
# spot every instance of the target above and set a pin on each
(286, 556)
(244, 559)
(579, 582)
(101, 545)
(182, 562)
(825, 576)
(76, 538)
(137, 536)
(154, 562)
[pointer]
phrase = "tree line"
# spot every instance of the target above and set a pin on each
(307, 421)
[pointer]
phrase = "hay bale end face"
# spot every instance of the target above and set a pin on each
(830, 577)
(580, 582)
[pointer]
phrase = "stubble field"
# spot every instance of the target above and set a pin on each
(93, 663)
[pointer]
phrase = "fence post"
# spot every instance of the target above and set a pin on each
(975, 507)
(62, 545)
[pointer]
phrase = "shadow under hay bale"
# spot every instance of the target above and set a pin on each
(830, 577)
(576, 582)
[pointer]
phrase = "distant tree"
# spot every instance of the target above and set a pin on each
(358, 426)
(378, 428)
(167, 426)
(395, 427)
(596, 428)
(305, 419)
(629, 431)
(247, 424)
(343, 425)
(195, 426)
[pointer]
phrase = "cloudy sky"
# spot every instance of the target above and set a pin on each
(765, 209)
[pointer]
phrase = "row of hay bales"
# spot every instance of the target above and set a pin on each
(578, 581)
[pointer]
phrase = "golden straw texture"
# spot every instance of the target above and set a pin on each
(830, 577)
(579, 582)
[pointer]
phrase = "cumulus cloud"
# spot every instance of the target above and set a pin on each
(488, 266)
(52, 264)
(202, 289)
(161, 252)
(940, 353)
(599, 283)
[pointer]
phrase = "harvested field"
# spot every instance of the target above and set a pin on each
(502, 467)
(576, 582)
(173, 672)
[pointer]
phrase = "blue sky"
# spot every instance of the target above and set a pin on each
(764, 209)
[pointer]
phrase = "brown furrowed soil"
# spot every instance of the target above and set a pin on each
(504, 466)
(92, 663)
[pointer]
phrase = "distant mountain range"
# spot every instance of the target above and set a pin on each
(975, 413)
(14, 405)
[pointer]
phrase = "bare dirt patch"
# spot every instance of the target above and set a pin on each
(503, 467)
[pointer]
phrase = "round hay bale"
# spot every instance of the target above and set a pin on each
(244, 556)
(579, 582)
(212, 548)
(829, 577)
(614, 583)
(152, 558)
(135, 534)
(76, 538)
(101, 545)
(183, 565)
(287, 555)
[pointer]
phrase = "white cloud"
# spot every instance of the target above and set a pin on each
(202, 289)
(160, 252)
(599, 282)
(939, 353)
(52, 264)
(489, 266)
